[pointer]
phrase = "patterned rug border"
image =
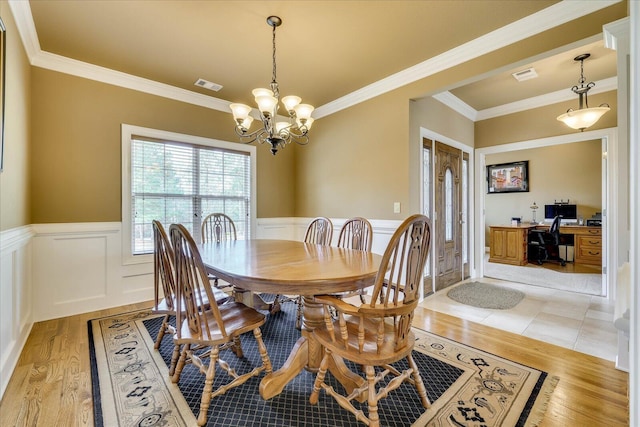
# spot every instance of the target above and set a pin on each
(531, 415)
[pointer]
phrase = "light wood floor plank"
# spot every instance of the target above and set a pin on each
(52, 383)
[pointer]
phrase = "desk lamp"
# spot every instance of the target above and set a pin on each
(533, 208)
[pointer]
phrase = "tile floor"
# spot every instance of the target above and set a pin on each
(572, 320)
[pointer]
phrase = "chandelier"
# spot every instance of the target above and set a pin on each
(584, 116)
(276, 133)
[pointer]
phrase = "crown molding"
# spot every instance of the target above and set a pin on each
(550, 17)
(457, 104)
(26, 27)
(563, 95)
(85, 70)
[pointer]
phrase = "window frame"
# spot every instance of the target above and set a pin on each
(127, 135)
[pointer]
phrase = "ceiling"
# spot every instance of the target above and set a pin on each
(326, 50)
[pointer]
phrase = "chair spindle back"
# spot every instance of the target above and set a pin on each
(163, 267)
(357, 234)
(193, 286)
(319, 231)
(218, 227)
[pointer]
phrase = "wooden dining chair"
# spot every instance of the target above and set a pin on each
(201, 325)
(378, 333)
(356, 233)
(164, 279)
(219, 227)
(319, 232)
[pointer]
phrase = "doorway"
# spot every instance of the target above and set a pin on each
(610, 191)
(445, 193)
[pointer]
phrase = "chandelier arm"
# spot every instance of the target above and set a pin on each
(249, 137)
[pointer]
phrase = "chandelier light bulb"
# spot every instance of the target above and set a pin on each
(240, 111)
(290, 102)
(261, 92)
(246, 123)
(303, 111)
(306, 123)
(266, 104)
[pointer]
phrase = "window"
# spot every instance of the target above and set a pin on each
(448, 205)
(180, 179)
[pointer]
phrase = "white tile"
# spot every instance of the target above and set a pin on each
(568, 319)
(554, 329)
(600, 315)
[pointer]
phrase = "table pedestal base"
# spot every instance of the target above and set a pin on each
(307, 354)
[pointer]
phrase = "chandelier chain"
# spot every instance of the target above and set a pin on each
(274, 82)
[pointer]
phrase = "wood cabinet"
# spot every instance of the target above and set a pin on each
(588, 245)
(508, 244)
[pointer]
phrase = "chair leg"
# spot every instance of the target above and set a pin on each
(237, 347)
(372, 398)
(161, 332)
(417, 379)
(205, 400)
(180, 364)
(275, 305)
(322, 371)
(266, 362)
(174, 359)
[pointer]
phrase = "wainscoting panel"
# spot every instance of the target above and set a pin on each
(15, 298)
(78, 268)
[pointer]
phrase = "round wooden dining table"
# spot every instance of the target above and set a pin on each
(285, 267)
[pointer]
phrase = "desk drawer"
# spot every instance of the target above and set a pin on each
(588, 250)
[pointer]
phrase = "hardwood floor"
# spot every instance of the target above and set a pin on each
(51, 386)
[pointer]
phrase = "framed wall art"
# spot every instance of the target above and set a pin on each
(508, 177)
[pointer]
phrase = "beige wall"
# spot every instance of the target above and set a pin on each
(76, 147)
(14, 179)
(360, 158)
(560, 172)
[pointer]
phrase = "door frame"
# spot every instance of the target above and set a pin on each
(610, 196)
(430, 134)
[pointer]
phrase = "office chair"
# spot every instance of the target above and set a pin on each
(544, 245)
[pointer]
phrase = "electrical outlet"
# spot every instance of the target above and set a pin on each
(396, 207)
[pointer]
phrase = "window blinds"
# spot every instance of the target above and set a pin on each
(182, 183)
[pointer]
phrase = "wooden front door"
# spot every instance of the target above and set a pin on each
(448, 216)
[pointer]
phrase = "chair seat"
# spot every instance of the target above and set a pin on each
(237, 319)
(220, 296)
(386, 353)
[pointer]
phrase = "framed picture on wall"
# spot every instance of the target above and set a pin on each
(508, 177)
(3, 46)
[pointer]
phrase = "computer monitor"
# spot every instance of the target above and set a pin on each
(568, 212)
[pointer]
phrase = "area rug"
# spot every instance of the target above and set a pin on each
(467, 387)
(486, 295)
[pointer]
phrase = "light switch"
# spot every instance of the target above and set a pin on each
(396, 207)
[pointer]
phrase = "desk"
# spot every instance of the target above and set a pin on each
(294, 268)
(508, 243)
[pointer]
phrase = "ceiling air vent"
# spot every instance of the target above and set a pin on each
(523, 75)
(208, 85)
